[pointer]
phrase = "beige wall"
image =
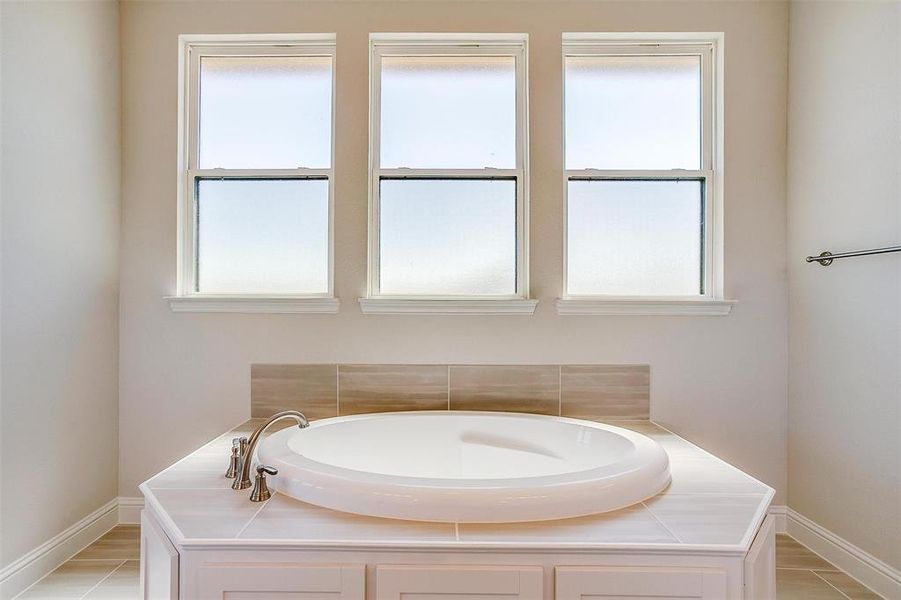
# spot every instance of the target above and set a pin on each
(844, 151)
(60, 231)
(718, 381)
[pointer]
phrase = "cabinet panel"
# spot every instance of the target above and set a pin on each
(284, 581)
(589, 583)
(452, 582)
(159, 562)
(760, 563)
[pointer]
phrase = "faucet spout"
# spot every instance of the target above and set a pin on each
(242, 481)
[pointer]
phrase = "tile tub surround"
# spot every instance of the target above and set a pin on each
(197, 504)
(594, 392)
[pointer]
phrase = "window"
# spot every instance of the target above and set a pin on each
(256, 173)
(448, 186)
(643, 172)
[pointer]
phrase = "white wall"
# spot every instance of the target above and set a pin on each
(60, 232)
(719, 381)
(844, 151)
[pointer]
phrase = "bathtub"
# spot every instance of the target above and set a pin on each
(465, 467)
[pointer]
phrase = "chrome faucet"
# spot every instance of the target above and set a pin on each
(242, 481)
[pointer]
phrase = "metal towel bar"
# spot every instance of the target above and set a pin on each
(825, 258)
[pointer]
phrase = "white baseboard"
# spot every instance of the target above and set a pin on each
(130, 510)
(859, 564)
(779, 513)
(22, 573)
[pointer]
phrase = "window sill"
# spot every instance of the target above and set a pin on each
(253, 304)
(410, 306)
(645, 306)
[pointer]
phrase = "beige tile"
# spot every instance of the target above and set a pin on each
(384, 388)
(72, 579)
(519, 388)
(794, 584)
(706, 518)
(311, 389)
(598, 392)
(792, 555)
(706, 475)
(205, 468)
(635, 525)
(201, 513)
(286, 518)
(122, 542)
(673, 444)
(185, 476)
(123, 584)
(848, 586)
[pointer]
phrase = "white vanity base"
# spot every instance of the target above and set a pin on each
(202, 573)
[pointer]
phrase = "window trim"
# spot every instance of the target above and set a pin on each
(409, 44)
(710, 47)
(191, 48)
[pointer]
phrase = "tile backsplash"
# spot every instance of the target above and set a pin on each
(598, 392)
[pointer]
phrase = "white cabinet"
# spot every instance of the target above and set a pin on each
(760, 563)
(432, 582)
(159, 562)
(578, 583)
(281, 581)
(277, 572)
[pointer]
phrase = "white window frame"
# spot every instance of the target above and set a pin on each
(709, 47)
(191, 49)
(406, 44)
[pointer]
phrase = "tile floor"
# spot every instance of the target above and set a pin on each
(801, 574)
(108, 569)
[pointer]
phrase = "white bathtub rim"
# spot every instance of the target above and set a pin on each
(644, 473)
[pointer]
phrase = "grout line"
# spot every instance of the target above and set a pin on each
(803, 569)
(108, 575)
(559, 390)
(830, 585)
(448, 388)
(250, 520)
(457, 531)
(662, 524)
(98, 559)
(337, 390)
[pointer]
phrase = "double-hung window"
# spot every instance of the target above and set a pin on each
(256, 173)
(643, 175)
(448, 174)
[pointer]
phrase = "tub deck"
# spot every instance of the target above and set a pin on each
(709, 508)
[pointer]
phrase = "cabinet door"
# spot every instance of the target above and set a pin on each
(159, 562)
(760, 563)
(579, 583)
(281, 581)
(439, 582)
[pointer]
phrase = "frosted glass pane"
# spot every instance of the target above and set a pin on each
(265, 236)
(448, 112)
(640, 238)
(451, 237)
(633, 112)
(265, 112)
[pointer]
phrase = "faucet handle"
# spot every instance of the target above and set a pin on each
(239, 447)
(234, 462)
(261, 491)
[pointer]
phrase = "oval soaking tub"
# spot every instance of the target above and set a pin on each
(466, 467)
